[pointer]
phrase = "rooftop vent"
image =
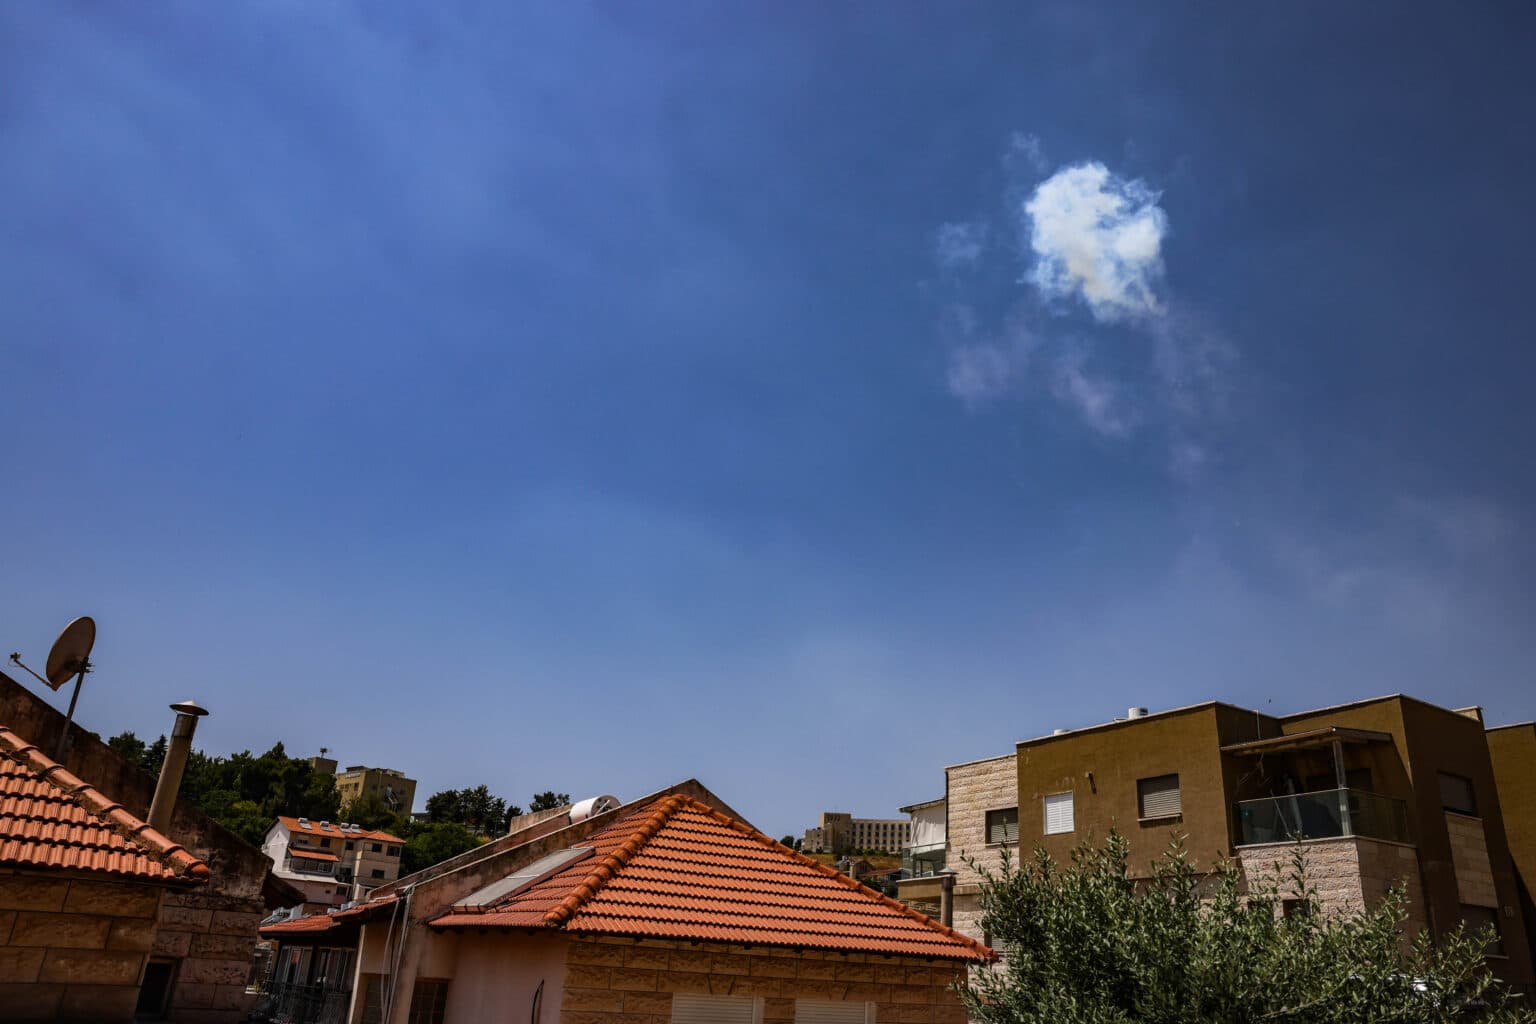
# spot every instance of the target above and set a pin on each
(1060, 732)
(1135, 712)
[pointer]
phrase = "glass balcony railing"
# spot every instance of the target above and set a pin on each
(921, 861)
(1324, 814)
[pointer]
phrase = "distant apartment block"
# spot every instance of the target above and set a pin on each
(839, 833)
(1378, 792)
(397, 792)
(331, 862)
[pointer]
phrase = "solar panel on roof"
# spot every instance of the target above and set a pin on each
(524, 877)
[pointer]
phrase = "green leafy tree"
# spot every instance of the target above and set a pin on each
(474, 807)
(432, 842)
(371, 812)
(1085, 943)
(548, 800)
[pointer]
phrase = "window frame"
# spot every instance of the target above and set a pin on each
(437, 1012)
(987, 825)
(1470, 811)
(1142, 814)
(1496, 947)
(1045, 808)
(696, 999)
(868, 1008)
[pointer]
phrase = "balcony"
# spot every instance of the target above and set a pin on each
(1323, 814)
(922, 861)
(298, 863)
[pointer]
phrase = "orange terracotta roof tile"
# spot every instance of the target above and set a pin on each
(334, 830)
(308, 854)
(679, 869)
(49, 819)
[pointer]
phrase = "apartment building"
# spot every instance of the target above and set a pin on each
(837, 832)
(1513, 750)
(1378, 792)
(397, 792)
(332, 863)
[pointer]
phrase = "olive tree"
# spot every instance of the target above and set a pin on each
(1085, 943)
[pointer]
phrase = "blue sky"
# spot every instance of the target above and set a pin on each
(801, 399)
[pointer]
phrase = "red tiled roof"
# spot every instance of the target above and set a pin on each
(329, 921)
(333, 830)
(307, 853)
(678, 869)
(50, 819)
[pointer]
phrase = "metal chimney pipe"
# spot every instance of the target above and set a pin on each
(947, 897)
(176, 752)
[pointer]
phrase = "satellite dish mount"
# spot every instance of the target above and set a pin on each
(70, 657)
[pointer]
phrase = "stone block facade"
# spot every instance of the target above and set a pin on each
(1347, 874)
(73, 948)
(630, 981)
(1469, 856)
(973, 790)
(213, 937)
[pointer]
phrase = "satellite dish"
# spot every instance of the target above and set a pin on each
(71, 654)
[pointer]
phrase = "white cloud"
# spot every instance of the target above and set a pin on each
(980, 373)
(1026, 148)
(1097, 236)
(959, 245)
(1095, 398)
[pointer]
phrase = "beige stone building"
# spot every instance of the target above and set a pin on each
(837, 832)
(397, 792)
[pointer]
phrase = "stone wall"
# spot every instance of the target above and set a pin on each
(629, 981)
(73, 949)
(213, 937)
(1347, 875)
(973, 790)
(1469, 856)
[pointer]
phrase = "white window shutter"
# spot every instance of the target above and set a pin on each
(688, 1008)
(826, 1011)
(1058, 813)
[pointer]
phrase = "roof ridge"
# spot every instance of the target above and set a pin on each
(94, 801)
(851, 883)
(609, 863)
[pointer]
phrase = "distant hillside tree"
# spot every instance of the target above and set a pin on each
(548, 801)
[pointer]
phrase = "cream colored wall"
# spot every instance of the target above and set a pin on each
(497, 975)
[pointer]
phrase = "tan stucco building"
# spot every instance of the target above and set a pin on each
(392, 787)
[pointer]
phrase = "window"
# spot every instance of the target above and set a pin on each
(688, 1008)
(1456, 794)
(377, 847)
(827, 1011)
(155, 991)
(1158, 797)
(1297, 909)
(349, 844)
(378, 872)
(1058, 813)
(1478, 918)
(325, 843)
(394, 851)
(1003, 826)
(373, 999)
(429, 999)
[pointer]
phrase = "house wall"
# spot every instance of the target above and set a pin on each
(211, 936)
(972, 790)
(239, 870)
(1185, 742)
(629, 981)
(496, 976)
(1346, 875)
(1512, 750)
(73, 948)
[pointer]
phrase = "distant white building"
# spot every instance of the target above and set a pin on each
(331, 862)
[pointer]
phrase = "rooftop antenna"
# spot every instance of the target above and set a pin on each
(70, 656)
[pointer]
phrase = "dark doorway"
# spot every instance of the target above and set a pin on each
(155, 993)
